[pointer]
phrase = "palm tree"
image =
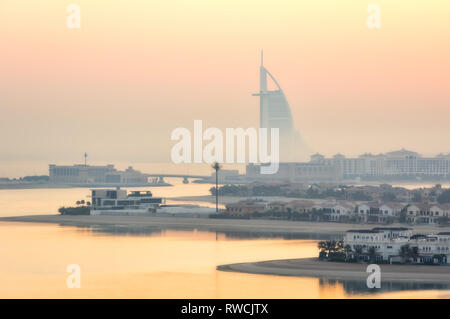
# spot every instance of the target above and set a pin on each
(405, 252)
(358, 252)
(347, 250)
(322, 245)
(339, 246)
(372, 251)
(217, 167)
(415, 252)
(330, 246)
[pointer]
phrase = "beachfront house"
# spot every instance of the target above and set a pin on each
(305, 210)
(384, 212)
(425, 213)
(362, 213)
(246, 207)
(120, 202)
(339, 211)
(301, 206)
(384, 244)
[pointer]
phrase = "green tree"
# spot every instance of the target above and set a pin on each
(443, 221)
(404, 251)
(357, 252)
(330, 246)
(444, 198)
(361, 196)
(414, 252)
(348, 251)
(417, 196)
(372, 252)
(339, 246)
(407, 253)
(389, 197)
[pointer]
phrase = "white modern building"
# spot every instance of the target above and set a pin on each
(82, 174)
(119, 202)
(79, 173)
(388, 242)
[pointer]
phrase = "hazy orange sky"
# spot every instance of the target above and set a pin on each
(136, 70)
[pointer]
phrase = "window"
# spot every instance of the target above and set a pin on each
(151, 200)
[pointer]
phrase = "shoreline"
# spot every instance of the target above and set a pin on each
(312, 267)
(280, 227)
(18, 186)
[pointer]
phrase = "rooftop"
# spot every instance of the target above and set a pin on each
(378, 230)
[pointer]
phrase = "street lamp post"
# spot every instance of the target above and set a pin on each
(217, 167)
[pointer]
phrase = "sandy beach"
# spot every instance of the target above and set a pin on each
(312, 267)
(209, 224)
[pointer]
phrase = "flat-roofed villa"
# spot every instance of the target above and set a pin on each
(119, 202)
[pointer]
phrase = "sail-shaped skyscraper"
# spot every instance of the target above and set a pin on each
(275, 112)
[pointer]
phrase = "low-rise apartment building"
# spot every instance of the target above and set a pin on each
(387, 243)
(91, 175)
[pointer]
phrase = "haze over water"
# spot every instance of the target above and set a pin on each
(117, 86)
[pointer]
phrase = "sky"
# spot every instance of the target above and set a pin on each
(137, 69)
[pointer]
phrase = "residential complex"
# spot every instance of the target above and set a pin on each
(344, 211)
(387, 242)
(402, 164)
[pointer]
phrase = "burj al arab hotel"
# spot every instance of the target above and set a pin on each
(275, 112)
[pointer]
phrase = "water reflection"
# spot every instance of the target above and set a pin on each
(287, 236)
(359, 287)
(118, 230)
(349, 287)
(118, 262)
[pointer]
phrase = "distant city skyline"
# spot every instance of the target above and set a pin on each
(15, 169)
(117, 87)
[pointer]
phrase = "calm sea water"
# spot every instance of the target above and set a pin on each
(161, 263)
